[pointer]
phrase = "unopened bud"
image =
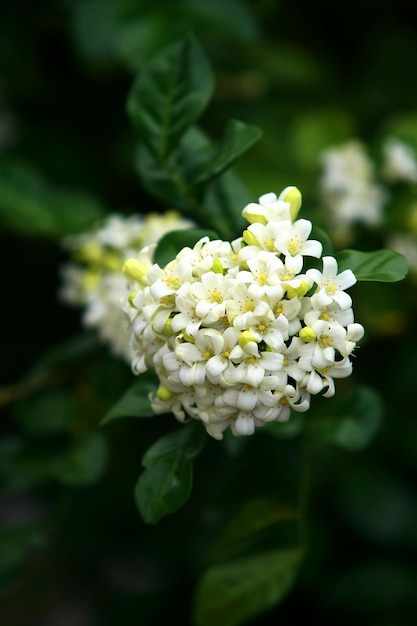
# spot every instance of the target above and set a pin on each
(90, 253)
(248, 343)
(250, 214)
(164, 394)
(217, 267)
(298, 292)
(307, 334)
(111, 261)
(250, 238)
(293, 196)
(135, 270)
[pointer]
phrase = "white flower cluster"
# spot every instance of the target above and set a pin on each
(237, 333)
(94, 280)
(348, 186)
(354, 190)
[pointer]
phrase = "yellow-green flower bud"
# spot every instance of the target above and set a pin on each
(298, 292)
(307, 334)
(252, 217)
(217, 267)
(134, 270)
(111, 261)
(245, 338)
(250, 238)
(90, 280)
(90, 253)
(293, 196)
(164, 394)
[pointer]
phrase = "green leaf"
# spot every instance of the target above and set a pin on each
(350, 423)
(162, 181)
(224, 201)
(170, 181)
(169, 93)
(381, 265)
(170, 244)
(236, 591)
(254, 518)
(135, 401)
(83, 463)
(238, 138)
(166, 483)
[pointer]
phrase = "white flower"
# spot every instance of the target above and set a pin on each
(247, 305)
(348, 186)
(400, 162)
(331, 285)
(293, 242)
(269, 208)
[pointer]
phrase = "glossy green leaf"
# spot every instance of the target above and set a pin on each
(135, 401)
(350, 423)
(170, 244)
(166, 482)
(83, 463)
(170, 181)
(224, 201)
(170, 92)
(250, 524)
(238, 138)
(236, 591)
(380, 265)
(162, 181)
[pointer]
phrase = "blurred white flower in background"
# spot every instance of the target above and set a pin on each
(400, 163)
(93, 280)
(349, 189)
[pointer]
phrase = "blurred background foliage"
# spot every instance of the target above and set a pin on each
(73, 549)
